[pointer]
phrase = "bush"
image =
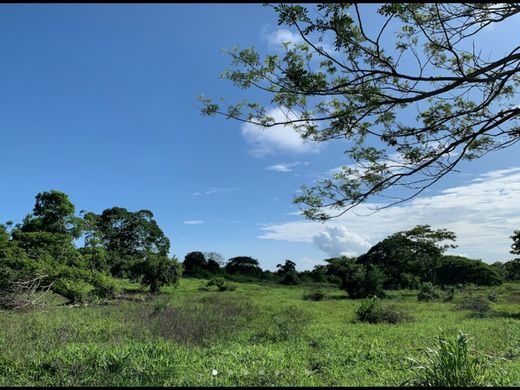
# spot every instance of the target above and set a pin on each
(374, 311)
(286, 324)
(76, 291)
(362, 281)
(450, 294)
(427, 292)
(314, 295)
(492, 296)
(220, 284)
(452, 365)
(477, 305)
(290, 278)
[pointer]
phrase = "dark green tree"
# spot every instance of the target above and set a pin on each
(458, 269)
(52, 213)
(244, 265)
(194, 263)
(126, 236)
(414, 252)
(364, 85)
(157, 270)
(513, 269)
(48, 233)
(515, 247)
(287, 272)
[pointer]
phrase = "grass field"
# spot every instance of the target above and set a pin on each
(259, 334)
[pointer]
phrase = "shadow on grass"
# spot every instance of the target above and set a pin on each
(504, 314)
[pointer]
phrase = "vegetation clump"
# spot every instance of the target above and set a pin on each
(374, 311)
(314, 295)
(427, 292)
(452, 364)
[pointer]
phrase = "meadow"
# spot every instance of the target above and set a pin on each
(261, 334)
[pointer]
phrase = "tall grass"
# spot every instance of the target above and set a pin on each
(453, 364)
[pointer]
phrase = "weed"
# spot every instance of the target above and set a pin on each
(452, 364)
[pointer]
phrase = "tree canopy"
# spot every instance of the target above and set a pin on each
(409, 91)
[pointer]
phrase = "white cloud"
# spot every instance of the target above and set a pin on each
(338, 240)
(275, 39)
(193, 222)
(483, 213)
(214, 190)
(271, 140)
(285, 167)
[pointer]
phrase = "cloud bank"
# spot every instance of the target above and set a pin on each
(483, 213)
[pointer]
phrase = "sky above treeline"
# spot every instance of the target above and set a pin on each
(99, 101)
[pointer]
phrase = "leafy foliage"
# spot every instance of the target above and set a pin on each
(361, 86)
(427, 292)
(287, 273)
(458, 269)
(243, 265)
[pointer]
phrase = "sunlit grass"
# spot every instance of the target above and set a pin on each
(275, 338)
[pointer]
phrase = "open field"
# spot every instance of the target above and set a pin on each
(260, 334)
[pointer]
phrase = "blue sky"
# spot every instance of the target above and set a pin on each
(99, 101)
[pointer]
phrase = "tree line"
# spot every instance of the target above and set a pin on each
(42, 252)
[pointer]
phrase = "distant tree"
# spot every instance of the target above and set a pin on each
(216, 257)
(362, 87)
(214, 261)
(194, 263)
(358, 280)
(500, 269)
(287, 272)
(126, 236)
(413, 252)
(458, 269)
(513, 269)
(244, 265)
(515, 247)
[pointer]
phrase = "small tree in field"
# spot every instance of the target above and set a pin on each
(157, 271)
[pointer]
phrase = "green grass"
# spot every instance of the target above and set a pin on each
(259, 334)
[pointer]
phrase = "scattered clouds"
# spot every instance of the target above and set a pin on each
(276, 139)
(338, 240)
(193, 222)
(214, 190)
(483, 213)
(285, 167)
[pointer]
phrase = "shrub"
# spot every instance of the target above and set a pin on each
(492, 296)
(427, 292)
(373, 311)
(76, 291)
(450, 294)
(314, 295)
(285, 324)
(361, 281)
(220, 284)
(477, 305)
(452, 365)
